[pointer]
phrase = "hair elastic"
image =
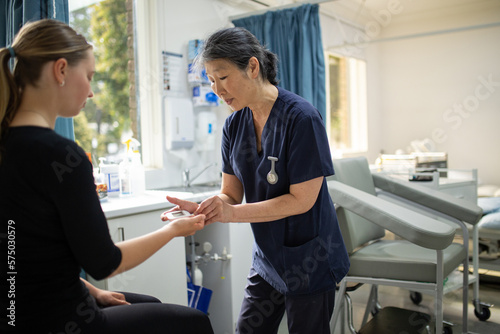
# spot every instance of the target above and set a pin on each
(11, 50)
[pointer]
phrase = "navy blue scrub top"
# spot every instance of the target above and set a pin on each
(300, 254)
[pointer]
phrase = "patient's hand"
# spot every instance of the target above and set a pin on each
(184, 227)
(110, 298)
(180, 205)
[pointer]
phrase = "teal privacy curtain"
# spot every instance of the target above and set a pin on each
(294, 34)
(15, 13)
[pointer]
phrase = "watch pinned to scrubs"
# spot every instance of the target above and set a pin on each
(272, 177)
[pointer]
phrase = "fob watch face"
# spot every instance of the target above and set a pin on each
(272, 178)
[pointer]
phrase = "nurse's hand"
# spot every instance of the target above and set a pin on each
(180, 205)
(215, 210)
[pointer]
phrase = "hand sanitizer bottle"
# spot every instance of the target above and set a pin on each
(138, 175)
(132, 177)
(126, 173)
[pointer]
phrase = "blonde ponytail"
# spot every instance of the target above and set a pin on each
(36, 44)
(9, 95)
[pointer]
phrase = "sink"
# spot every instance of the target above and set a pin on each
(194, 189)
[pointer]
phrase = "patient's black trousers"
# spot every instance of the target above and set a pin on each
(148, 315)
(145, 315)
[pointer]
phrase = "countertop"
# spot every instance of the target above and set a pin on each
(151, 200)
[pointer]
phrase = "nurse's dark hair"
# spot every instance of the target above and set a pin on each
(35, 44)
(238, 45)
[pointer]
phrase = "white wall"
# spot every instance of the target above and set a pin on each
(335, 34)
(421, 80)
(413, 84)
(179, 22)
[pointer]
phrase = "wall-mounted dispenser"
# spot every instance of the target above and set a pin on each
(204, 96)
(179, 122)
(206, 130)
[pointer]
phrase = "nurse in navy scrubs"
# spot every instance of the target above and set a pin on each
(276, 155)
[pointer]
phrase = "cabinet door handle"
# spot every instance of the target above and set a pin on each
(121, 234)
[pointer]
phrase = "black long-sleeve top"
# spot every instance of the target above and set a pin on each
(52, 225)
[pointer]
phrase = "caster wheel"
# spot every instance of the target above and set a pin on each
(447, 330)
(484, 314)
(416, 297)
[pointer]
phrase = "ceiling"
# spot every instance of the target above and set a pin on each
(370, 4)
(361, 10)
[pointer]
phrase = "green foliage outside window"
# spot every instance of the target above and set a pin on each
(106, 116)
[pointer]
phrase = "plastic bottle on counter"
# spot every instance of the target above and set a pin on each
(111, 177)
(132, 177)
(100, 185)
(126, 175)
(137, 169)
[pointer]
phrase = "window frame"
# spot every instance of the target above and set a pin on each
(149, 83)
(357, 107)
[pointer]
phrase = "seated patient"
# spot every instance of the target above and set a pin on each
(51, 220)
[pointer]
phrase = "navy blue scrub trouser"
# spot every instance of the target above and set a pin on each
(263, 308)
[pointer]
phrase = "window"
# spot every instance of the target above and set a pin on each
(346, 98)
(111, 116)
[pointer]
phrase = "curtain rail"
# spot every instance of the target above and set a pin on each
(262, 11)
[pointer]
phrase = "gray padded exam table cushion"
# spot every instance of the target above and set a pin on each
(410, 225)
(455, 207)
(410, 259)
(400, 259)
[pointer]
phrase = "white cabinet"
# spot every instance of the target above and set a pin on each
(163, 275)
(227, 279)
(459, 183)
